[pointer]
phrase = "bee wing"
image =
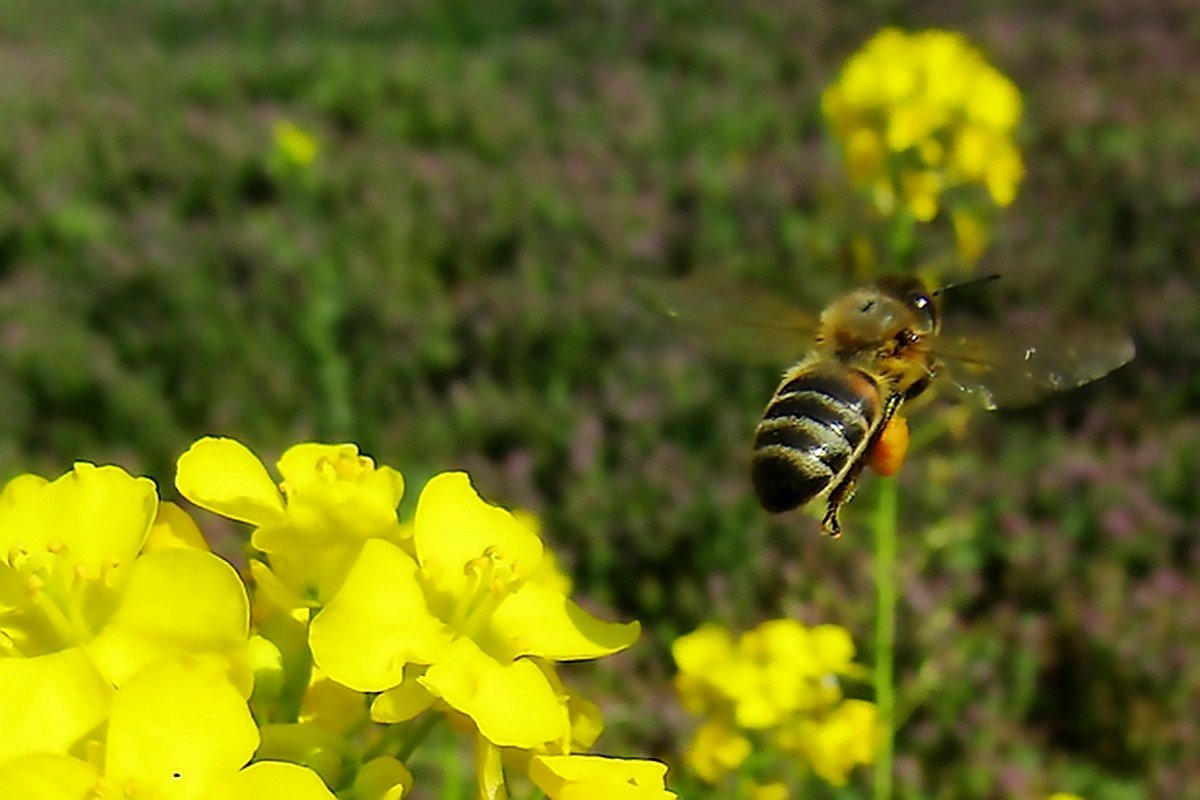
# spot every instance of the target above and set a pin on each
(1009, 368)
(732, 318)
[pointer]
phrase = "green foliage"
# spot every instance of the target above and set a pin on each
(489, 177)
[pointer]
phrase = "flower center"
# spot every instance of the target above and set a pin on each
(57, 595)
(345, 466)
(491, 578)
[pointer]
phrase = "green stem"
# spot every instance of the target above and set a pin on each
(885, 633)
(326, 307)
(384, 743)
(417, 735)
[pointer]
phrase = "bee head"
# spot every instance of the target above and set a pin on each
(917, 300)
(886, 311)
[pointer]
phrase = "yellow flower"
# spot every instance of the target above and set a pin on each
(468, 607)
(599, 778)
(715, 750)
(835, 744)
(770, 673)
(1064, 796)
(333, 500)
(700, 655)
(920, 113)
(771, 676)
(177, 731)
(67, 547)
(83, 612)
(294, 144)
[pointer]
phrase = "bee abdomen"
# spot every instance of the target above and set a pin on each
(813, 428)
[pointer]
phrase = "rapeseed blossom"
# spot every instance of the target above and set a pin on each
(464, 619)
(774, 686)
(85, 604)
(312, 526)
(922, 118)
(135, 665)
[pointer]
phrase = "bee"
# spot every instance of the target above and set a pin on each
(870, 351)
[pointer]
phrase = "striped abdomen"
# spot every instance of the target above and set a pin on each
(815, 429)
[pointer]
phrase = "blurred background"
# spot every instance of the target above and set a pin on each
(412, 226)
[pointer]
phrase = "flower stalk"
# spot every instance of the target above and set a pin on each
(885, 633)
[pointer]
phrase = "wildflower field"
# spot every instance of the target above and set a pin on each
(342, 457)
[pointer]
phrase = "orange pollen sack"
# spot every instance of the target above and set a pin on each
(887, 454)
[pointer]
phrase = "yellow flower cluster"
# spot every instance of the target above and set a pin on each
(920, 114)
(135, 664)
(778, 685)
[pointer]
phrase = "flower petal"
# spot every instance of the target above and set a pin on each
(179, 728)
(489, 771)
(273, 780)
(223, 476)
(537, 620)
(715, 750)
(845, 738)
(17, 501)
(47, 703)
(177, 602)
(453, 525)
(173, 528)
(100, 515)
(599, 778)
(47, 776)
(834, 649)
(402, 703)
(383, 778)
(377, 623)
(697, 652)
(386, 483)
(513, 704)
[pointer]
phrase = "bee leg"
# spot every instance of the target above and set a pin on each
(842, 493)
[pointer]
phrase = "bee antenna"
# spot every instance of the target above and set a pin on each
(995, 276)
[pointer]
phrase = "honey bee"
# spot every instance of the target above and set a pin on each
(870, 351)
